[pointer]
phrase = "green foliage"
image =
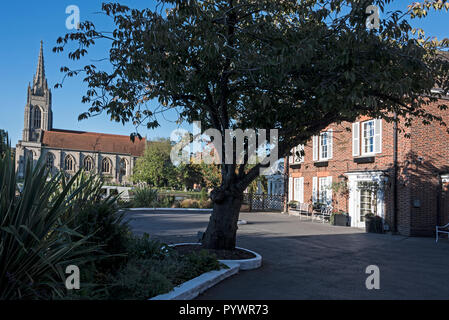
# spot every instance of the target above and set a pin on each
(293, 203)
(155, 166)
(190, 203)
(297, 66)
(105, 222)
(145, 248)
(211, 175)
(4, 142)
(340, 187)
(36, 238)
(204, 195)
(189, 174)
(154, 268)
(165, 201)
(262, 181)
(193, 203)
(139, 281)
(333, 214)
(145, 197)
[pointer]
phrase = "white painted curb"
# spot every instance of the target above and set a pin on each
(167, 209)
(192, 288)
(247, 264)
(244, 264)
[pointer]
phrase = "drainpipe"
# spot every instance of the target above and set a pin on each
(395, 174)
(286, 184)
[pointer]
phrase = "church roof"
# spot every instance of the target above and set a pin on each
(92, 141)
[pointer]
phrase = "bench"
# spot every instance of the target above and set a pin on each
(439, 230)
(324, 212)
(303, 208)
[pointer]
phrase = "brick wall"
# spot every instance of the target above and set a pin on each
(421, 158)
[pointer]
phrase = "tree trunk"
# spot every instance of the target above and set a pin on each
(222, 229)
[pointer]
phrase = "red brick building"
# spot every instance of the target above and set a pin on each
(352, 166)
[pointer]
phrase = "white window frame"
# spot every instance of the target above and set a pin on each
(359, 133)
(365, 153)
(324, 189)
(318, 146)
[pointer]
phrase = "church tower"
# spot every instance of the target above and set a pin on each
(38, 113)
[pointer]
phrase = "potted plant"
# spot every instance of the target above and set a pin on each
(292, 204)
(339, 218)
(373, 223)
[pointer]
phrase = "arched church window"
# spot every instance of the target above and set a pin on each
(106, 165)
(50, 160)
(123, 167)
(88, 163)
(69, 163)
(37, 117)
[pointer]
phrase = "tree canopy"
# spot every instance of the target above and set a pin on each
(155, 167)
(294, 66)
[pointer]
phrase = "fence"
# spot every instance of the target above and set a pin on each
(262, 202)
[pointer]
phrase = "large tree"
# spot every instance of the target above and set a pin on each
(155, 167)
(295, 66)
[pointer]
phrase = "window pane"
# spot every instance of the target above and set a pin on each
(368, 136)
(324, 143)
(366, 205)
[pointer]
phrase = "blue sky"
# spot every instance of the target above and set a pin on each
(24, 24)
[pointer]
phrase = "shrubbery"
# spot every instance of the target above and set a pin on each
(53, 222)
(192, 203)
(144, 197)
(154, 268)
(37, 236)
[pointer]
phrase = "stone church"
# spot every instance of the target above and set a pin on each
(112, 156)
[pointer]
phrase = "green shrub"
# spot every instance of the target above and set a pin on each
(176, 204)
(138, 281)
(36, 240)
(195, 264)
(155, 268)
(145, 197)
(206, 204)
(190, 203)
(204, 195)
(109, 230)
(146, 248)
(292, 204)
(165, 201)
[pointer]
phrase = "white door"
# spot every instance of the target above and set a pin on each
(364, 205)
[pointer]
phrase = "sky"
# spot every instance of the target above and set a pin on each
(24, 24)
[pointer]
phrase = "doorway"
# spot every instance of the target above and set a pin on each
(366, 195)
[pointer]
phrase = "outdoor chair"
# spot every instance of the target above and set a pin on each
(439, 229)
(303, 208)
(324, 212)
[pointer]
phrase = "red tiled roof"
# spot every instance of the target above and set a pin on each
(92, 141)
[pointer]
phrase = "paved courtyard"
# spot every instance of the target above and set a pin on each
(311, 260)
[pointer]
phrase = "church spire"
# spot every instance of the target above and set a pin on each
(39, 82)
